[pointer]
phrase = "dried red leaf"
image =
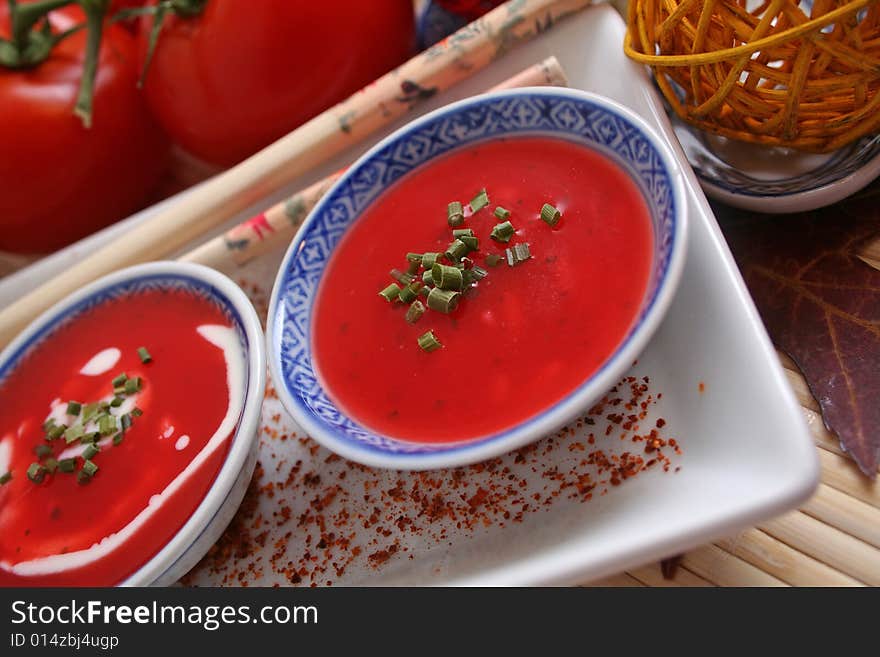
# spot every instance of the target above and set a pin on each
(821, 305)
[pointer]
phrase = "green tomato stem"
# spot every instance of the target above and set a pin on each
(188, 8)
(158, 19)
(28, 44)
(183, 8)
(95, 11)
(24, 17)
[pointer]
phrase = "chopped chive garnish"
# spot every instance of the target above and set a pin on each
(89, 468)
(446, 277)
(90, 452)
(443, 301)
(407, 295)
(457, 250)
(519, 253)
(82, 478)
(42, 451)
(550, 215)
(133, 385)
(74, 433)
(51, 465)
(400, 277)
(48, 424)
(107, 425)
(415, 312)
(428, 342)
(119, 380)
(411, 291)
(474, 274)
(73, 408)
(5, 478)
(92, 437)
(56, 432)
(117, 439)
(390, 293)
(479, 201)
(136, 412)
(502, 232)
(117, 401)
(89, 411)
(144, 355)
(442, 282)
(125, 421)
(36, 472)
(67, 465)
(455, 214)
(472, 243)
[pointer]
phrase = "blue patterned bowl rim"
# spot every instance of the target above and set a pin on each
(581, 116)
(828, 180)
(206, 284)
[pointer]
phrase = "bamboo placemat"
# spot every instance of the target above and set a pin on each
(832, 540)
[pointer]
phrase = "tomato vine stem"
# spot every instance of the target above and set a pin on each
(95, 11)
(30, 44)
(32, 40)
(24, 17)
(183, 8)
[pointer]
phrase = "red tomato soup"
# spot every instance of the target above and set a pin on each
(60, 526)
(524, 336)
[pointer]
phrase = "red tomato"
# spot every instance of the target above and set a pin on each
(241, 74)
(469, 9)
(58, 180)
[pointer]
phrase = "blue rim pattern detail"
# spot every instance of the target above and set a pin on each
(840, 164)
(535, 114)
(712, 170)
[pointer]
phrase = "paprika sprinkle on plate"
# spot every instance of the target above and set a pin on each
(311, 517)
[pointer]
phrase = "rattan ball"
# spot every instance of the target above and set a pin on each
(781, 72)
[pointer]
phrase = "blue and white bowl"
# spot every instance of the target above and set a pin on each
(594, 121)
(211, 517)
(775, 179)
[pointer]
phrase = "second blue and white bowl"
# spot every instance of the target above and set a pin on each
(597, 123)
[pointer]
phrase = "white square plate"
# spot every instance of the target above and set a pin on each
(746, 455)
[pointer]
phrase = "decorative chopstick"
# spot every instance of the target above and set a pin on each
(262, 232)
(455, 58)
(276, 226)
